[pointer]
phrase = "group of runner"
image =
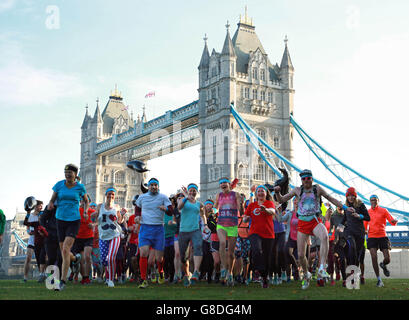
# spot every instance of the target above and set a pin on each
(229, 240)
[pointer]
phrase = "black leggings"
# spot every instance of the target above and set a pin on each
(278, 254)
(52, 248)
(261, 249)
(169, 266)
(39, 251)
(207, 264)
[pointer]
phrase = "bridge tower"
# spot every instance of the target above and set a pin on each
(100, 172)
(242, 74)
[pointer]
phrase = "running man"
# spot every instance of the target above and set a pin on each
(151, 207)
(309, 208)
(377, 238)
(229, 205)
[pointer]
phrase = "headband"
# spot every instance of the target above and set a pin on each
(208, 202)
(153, 181)
(93, 204)
(110, 189)
(224, 180)
(261, 186)
(374, 196)
(190, 186)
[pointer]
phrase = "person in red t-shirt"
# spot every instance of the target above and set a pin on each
(377, 238)
(261, 233)
(133, 229)
(83, 243)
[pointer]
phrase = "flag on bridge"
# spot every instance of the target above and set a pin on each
(150, 94)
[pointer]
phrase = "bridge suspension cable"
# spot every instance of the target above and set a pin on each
(253, 137)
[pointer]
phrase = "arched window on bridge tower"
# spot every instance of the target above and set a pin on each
(119, 177)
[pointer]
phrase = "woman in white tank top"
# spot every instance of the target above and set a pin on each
(109, 230)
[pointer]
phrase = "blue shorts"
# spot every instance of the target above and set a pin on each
(153, 236)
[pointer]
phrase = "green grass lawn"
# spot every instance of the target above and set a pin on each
(395, 289)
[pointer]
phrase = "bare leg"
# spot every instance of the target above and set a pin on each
(301, 246)
(374, 258)
(222, 248)
(321, 232)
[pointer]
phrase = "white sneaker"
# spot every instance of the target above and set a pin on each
(110, 284)
(306, 281)
(379, 283)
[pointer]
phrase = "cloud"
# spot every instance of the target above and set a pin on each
(6, 5)
(22, 84)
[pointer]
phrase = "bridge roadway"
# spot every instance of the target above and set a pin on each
(173, 131)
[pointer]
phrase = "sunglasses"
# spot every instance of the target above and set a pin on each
(306, 178)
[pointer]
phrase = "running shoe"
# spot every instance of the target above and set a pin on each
(256, 276)
(154, 278)
(379, 283)
(223, 274)
(195, 277)
(186, 281)
(110, 284)
(144, 284)
(288, 279)
(59, 286)
(176, 280)
(338, 276)
(230, 281)
(385, 270)
(275, 280)
(41, 278)
(362, 280)
(306, 281)
(248, 280)
(76, 264)
(71, 277)
(323, 274)
(161, 279)
(284, 276)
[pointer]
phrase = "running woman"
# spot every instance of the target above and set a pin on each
(261, 233)
(353, 227)
(229, 205)
(68, 193)
(191, 211)
(309, 208)
(109, 218)
(377, 238)
(151, 207)
(242, 250)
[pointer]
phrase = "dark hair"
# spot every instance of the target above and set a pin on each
(39, 202)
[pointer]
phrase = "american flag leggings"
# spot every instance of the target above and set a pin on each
(109, 250)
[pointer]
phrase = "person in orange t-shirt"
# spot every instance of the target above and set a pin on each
(133, 254)
(377, 238)
(83, 243)
(261, 233)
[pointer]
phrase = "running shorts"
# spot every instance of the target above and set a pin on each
(231, 231)
(307, 227)
(152, 235)
(67, 229)
(80, 244)
(378, 243)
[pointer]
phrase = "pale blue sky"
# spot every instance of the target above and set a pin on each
(350, 60)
